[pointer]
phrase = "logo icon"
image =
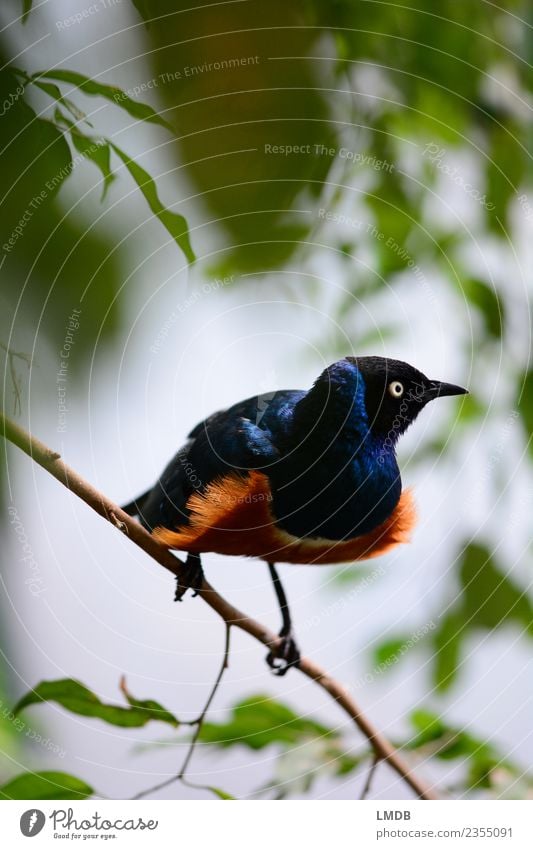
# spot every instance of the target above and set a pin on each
(32, 822)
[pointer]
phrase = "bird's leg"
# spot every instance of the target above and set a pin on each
(192, 577)
(288, 654)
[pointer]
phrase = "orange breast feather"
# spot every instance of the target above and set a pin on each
(233, 516)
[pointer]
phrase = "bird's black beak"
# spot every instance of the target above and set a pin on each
(437, 389)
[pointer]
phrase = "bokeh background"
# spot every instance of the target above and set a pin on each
(351, 177)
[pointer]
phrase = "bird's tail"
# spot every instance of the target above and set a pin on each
(135, 507)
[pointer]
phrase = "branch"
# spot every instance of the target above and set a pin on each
(371, 772)
(52, 462)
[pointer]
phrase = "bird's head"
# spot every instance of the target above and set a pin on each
(395, 392)
(361, 394)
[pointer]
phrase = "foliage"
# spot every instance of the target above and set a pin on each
(259, 722)
(138, 111)
(306, 749)
(232, 122)
(488, 599)
(45, 785)
(525, 404)
(55, 261)
(75, 697)
(485, 766)
(174, 223)
(96, 149)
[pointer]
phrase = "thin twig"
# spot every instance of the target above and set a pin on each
(15, 379)
(180, 776)
(42, 455)
(371, 772)
(224, 665)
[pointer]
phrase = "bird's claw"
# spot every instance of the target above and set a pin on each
(191, 578)
(287, 654)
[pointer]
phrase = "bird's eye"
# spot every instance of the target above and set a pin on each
(396, 389)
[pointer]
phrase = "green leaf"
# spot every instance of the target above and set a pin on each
(506, 167)
(75, 697)
(36, 156)
(447, 645)
(143, 10)
(428, 726)
(98, 152)
(26, 9)
(389, 650)
(491, 598)
(450, 743)
(488, 600)
(94, 149)
(488, 302)
(345, 764)
(524, 404)
(46, 785)
(148, 706)
(174, 223)
(220, 793)
(53, 91)
(470, 409)
(138, 110)
(460, 744)
(479, 774)
(454, 743)
(260, 721)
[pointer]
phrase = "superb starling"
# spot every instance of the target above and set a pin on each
(295, 476)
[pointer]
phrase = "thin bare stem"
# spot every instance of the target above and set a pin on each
(52, 462)
(371, 772)
(180, 776)
(224, 665)
(15, 379)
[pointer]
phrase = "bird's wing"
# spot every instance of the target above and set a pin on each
(237, 440)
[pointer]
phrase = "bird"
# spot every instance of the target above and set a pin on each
(295, 476)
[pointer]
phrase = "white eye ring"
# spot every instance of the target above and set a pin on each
(396, 389)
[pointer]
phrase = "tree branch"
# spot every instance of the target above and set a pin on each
(53, 464)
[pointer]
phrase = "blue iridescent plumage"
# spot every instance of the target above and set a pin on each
(326, 461)
(329, 453)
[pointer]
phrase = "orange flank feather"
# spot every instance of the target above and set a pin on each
(232, 516)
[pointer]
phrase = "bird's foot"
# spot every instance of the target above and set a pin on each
(287, 654)
(191, 579)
